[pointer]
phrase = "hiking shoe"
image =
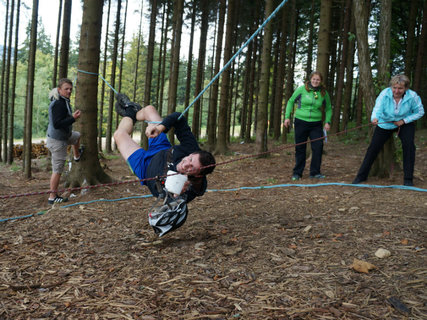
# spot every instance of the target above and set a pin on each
(126, 108)
(57, 200)
(81, 149)
(318, 176)
(296, 177)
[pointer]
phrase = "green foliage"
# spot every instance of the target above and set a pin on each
(44, 43)
(42, 86)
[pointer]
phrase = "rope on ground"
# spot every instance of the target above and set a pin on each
(233, 189)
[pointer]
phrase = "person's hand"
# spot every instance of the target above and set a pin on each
(153, 131)
(399, 123)
(327, 126)
(287, 122)
(77, 114)
(375, 121)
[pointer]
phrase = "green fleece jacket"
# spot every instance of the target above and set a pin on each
(308, 107)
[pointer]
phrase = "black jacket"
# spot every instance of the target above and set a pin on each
(60, 119)
(158, 165)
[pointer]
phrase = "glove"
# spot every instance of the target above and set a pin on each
(125, 107)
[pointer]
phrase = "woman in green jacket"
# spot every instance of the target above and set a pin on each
(309, 101)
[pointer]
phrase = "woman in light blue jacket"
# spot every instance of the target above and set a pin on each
(396, 109)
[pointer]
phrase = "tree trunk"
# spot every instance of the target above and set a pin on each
(410, 42)
(149, 67)
(30, 91)
(163, 62)
(420, 77)
(323, 40)
(246, 77)
(104, 70)
(12, 104)
(309, 67)
(343, 64)
(366, 82)
(55, 57)
(88, 171)
(3, 72)
(109, 134)
(174, 65)
(349, 77)
(289, 84)
(386, 158)
(190, 56)
(7, 83)
(135, 76)
(248, 136)
(65, 40)
(384, 44)
(221, 145)
(421, 72)
(150, 54)
(274, 85)
(262, 115)
(200, 67)
(213, 101)
(122, 49)
(280, 79)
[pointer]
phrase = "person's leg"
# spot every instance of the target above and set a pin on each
(379, 138)
(58, 150)
(54, 184)
(301, 136)
(316, 132)
(407, 136)
(74, 141)
(122, 136)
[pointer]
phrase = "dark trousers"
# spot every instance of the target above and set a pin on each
(380, 137)
(303, 131)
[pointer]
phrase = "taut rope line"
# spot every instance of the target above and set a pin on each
(287, 146)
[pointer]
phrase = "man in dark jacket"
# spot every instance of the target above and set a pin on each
(186, 158)
(60, 134)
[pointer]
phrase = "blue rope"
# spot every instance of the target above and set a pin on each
(97, 74)
(75, 204)
(322, 185)
(115, 91)
(234, 189)
(235, 56)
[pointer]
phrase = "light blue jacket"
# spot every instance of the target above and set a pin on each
(410, 109)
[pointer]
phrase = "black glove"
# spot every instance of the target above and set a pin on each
(125, 107)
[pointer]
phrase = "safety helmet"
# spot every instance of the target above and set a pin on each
(168, 217)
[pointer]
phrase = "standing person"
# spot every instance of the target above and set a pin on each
(396, 109)
(310, 99)
(186, 158)
(60, 134)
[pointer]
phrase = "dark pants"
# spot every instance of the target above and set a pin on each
(406, 135)
(303, 131)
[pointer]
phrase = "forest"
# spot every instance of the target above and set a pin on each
(257, 52)
(257, 245)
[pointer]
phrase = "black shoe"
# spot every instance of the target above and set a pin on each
(126, 108)
(408, 183)
(358, 180)
(57, 200)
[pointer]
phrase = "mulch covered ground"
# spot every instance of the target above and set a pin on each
(273, 253)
